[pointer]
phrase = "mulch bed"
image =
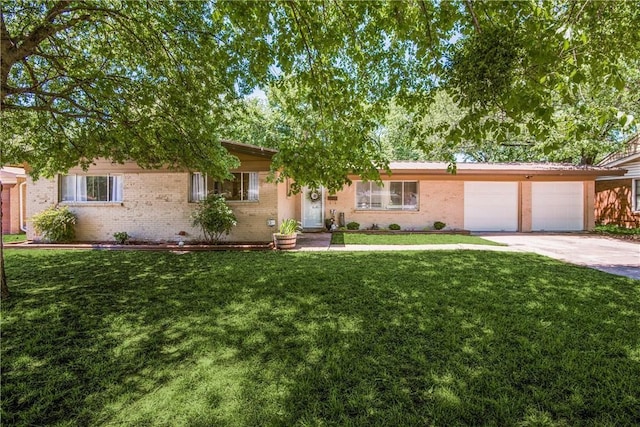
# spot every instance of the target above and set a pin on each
(366, 231)
(151, 246)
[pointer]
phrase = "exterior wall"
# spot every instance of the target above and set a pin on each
(15, 207)
(11, 206)
(443, 200)
(155, 207)
(438, 201)
(613, 197)
(526, 201)
(7, 220)
(287, 205)
(155, 203)
(589, 205)
(613, 203)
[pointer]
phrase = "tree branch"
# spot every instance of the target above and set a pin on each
(427, 20)
(476, 24)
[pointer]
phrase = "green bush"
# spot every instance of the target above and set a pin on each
(214, 217)
(394, 227)
(616, 229)
(439, 225)
(56, 224)
(122, 237)
(353, 226)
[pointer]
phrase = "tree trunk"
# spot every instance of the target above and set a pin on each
(4, 288)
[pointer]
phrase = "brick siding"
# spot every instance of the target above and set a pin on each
(613, 203)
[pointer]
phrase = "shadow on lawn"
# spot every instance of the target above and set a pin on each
(309, 338)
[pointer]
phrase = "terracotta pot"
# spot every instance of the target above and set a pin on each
(285, 241)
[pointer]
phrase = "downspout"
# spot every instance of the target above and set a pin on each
(23, 223)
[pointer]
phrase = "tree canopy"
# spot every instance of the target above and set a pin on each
(159, 82)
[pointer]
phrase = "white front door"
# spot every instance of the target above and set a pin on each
(312, 208)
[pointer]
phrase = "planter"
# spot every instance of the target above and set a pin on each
(285, 241)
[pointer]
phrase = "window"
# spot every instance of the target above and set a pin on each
(636, 195)
(243, 186)
(392, 195)
(91, 188)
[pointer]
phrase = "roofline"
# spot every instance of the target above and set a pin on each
(507, 172)
(502, 169)
(629, 149)
(624, 160)
(254, 150)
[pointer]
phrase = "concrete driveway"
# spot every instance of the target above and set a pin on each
(602, 253)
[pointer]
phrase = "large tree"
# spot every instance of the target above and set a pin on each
(153, 81)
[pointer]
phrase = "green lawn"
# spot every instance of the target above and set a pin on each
(271, 338)
(12, 238)
(339, 238)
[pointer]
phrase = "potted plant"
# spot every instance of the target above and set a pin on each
(287, 234)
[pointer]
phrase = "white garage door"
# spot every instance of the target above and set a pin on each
(557, 206)
(491, 206)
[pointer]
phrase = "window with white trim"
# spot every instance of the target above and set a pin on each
(636, 195)
(243, 187)
(391, 195)
(91, 188)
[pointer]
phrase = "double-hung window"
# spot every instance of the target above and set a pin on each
(91, 188)
(391, 195)
(636, 195)
(243, 187)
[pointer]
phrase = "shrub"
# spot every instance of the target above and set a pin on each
(56, 224)
(122, 237)
(214, 217)
(439, 225)
(394, 227)
(353, 226)
(616, 229)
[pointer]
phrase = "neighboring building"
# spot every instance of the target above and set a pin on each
(14, 192)
(156, 204)
(618, 197)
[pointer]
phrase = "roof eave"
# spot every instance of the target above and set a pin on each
(253, 150)
(498, 172)
(624, 160)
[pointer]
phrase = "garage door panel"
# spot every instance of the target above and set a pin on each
(557, 206)
(491, 206)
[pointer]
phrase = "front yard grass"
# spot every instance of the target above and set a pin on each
(339, 238)
(270, 338)
(14, 238)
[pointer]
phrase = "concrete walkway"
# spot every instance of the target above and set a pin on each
(602, 253)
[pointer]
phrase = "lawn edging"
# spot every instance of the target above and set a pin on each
(463, 232)
(254, 246)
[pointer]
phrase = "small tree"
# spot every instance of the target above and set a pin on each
(214, 217)
(56, 224)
